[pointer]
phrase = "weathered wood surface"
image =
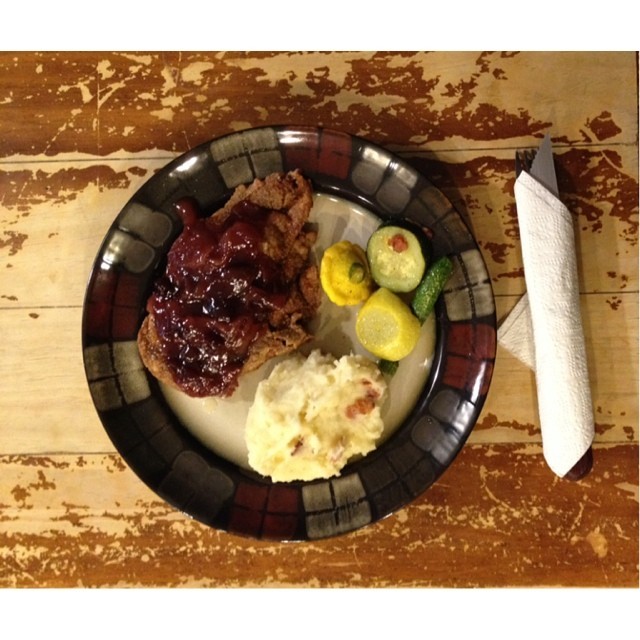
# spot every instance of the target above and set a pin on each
(79, 132)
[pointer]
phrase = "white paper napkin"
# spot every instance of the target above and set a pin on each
(515, 333)
(545, 328)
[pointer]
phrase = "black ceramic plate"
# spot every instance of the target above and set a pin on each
(151, 438)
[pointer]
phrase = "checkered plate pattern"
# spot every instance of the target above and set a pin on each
(150, 437)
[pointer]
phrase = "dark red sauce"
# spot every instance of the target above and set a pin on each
(214, 299)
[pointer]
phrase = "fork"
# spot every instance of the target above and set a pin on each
(524, 160)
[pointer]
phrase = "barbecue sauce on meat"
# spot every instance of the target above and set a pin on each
(214, 299)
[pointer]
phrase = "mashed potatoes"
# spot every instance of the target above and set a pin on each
(311, 415)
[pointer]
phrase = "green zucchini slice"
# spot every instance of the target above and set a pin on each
(396, 257)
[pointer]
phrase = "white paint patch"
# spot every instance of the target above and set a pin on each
(169, 81)
(163, 114)
(195, 71)
(632, 489)
(598, 542)
(108, 92)
(83, 88)
(146, 60)
(171, 101)
(105, 70)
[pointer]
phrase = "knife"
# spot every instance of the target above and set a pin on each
(542, 167)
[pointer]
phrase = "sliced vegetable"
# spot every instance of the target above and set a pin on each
(431, 287)
(422, 234)
(344, 274)
(388, 367)
(386, 326)
(397, 257)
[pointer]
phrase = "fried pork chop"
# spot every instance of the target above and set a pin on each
(238, 289)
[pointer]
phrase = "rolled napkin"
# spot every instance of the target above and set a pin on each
(551, 275)
(515, 333)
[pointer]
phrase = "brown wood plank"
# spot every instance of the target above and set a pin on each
(497, 517)
(106, 102)
(55, 215)
(81, 131)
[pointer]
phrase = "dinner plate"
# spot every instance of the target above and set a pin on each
(354, 181)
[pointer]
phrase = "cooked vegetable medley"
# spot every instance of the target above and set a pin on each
(386, 327)
(344, 274)
(430, 288)
(394, 281)
(396, 258)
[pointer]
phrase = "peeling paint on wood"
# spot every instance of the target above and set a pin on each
(81, 132)
(97, 525)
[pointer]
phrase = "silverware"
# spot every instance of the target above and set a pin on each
(539, 164)
(524, 159)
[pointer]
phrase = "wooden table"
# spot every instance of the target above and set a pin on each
(80, 132)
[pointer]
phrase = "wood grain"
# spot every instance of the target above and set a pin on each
(496, 518)
(80, 132)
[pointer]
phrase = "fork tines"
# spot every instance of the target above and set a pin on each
(524, 160)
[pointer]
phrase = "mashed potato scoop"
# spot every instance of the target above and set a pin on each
(313, 414)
